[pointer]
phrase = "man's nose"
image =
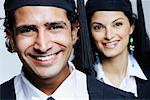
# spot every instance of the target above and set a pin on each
(42, 42)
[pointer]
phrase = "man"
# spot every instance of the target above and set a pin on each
(43, 33)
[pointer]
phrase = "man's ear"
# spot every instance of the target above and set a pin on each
(75, 28)
(11, 40)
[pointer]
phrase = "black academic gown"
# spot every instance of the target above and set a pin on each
(143, 86)
(143, 89)
(97, 91)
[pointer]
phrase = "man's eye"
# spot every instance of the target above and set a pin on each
(56, 27)
(25, 30)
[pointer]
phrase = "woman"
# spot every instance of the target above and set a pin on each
(119, 46)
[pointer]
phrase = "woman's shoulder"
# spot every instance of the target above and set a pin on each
(100, 90)
(146, 71)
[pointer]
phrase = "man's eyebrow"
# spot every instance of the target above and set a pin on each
(19, 28)
(25, 26)
(55, 23)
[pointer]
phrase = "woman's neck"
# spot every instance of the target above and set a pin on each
(115, 68)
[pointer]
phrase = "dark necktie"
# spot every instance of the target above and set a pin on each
(50, 98)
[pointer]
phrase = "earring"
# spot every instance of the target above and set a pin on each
(131, 48)
(97, 58)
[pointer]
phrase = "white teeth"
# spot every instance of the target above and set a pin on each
(45, 58)
(111, 44)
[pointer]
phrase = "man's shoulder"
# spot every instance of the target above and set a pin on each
(7, 85)
(101, 90)
(7, 90)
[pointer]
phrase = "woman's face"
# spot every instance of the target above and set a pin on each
(111, 31)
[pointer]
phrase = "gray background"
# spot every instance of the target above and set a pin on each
(10, 64)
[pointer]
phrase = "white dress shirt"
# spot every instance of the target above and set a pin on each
(73, 88)
(129, 83)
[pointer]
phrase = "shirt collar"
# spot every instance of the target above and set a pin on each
(67, 85)
(132, 70)
(99, 70)
(36, 94)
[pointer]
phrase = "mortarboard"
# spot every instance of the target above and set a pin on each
(11, 5)
(108, 5)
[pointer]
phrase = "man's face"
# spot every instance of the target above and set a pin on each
(44, 39)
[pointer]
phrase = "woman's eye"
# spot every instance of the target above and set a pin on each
(97, 27)
(118, 24)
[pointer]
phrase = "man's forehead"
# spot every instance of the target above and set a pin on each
(39, 15)
(40, 11)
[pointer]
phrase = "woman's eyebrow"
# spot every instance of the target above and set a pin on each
(96, 23)
(117, 19)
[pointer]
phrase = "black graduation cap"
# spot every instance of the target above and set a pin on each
(141, 40)
(108, 5)
(11, 5)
